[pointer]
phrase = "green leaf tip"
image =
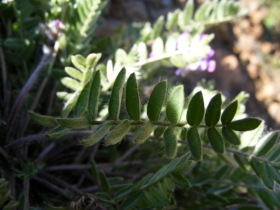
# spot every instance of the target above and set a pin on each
(82, 102)
(144, 132)
(216, 140)
(170, 143)
(79, 62)
(246, 124)
(104, 181)
(74, 123)
(194, 143)
(213, 110)
(156, 100)
(196, 109)
(229, 112)
(266, 177)
(266, 143)
(57, 132)
(175, 105)
(116, 95)
(94, 95)
(132, 98)
(230, 136)
(43, 120)
(117, 133)
(97, 135)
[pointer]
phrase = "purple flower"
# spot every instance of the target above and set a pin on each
(205, 64)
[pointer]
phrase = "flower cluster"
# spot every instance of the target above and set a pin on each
(201, 64)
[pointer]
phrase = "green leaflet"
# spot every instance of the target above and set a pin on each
(265, 144)
(57, 132)
(230, 136)
(239, 161)
(171, 167)
(75, 73)
(266, 176)
(181, 181)
(275, 174)
(170, 143)
(94, 170)
(131, 201)
(97, 135)
(256, 165)
(104, 182)
(94, 96)
(157, 27)
(159, 131)
(194, 143)
(43, 120)
(273, 153)
(104, 198)
(229, 112)
(175, 105)
(82, 102)
(132, 98)
(199, 14)
(68, 106)
(70, 83)
(117, 134)
(92, 60)
(79, 62)
(188, 12)
(153, 199)
(169, 183)
(172, 19)
(213, 110)
(216, 140)
(196, 109)
(144, 133)
(74, 123)
(156, 100)
(116, 95)
(245, 124)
